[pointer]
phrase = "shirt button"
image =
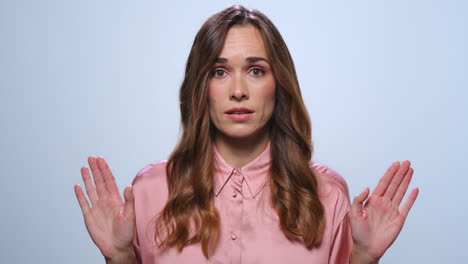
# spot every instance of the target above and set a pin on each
(233, 236)
(236, 172)
(234, 194)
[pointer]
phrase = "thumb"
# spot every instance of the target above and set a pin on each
(358, 200)
(129, 207)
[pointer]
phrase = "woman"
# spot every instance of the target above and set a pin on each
(240, 186)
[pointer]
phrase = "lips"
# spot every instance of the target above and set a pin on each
(239, 111)
(239, 114)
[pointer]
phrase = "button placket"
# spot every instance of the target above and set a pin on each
(236, 185)
(236, 182)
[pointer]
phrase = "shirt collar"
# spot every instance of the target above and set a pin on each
(255, 172)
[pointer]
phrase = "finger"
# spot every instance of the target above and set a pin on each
(395, 183)
(98, 178)
(129, 207)
(89, 185)
(358, 201)
(81, 199)
(409, 202)
(109, 178)
(403, 187)
(386, 179)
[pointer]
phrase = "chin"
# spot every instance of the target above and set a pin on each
(240, 135)
(241, 132)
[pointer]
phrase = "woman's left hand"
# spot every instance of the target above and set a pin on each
(376, 220)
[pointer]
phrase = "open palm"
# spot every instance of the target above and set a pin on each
(376, 220)
(110, 221)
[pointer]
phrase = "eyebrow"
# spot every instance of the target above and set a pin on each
(248, 59)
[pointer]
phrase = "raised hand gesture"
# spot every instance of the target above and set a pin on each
(110, 221)
(376, 220)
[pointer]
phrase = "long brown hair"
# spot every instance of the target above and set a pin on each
(189, 215)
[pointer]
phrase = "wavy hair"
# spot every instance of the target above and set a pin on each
(189, 215)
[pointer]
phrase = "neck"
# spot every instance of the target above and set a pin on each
(238, 152)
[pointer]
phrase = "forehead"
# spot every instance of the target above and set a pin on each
(243, 41)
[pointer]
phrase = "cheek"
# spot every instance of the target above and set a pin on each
(214, 103)
(211, 94)
(216, 90)
(268, 95)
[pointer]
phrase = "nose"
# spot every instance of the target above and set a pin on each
(239, 90)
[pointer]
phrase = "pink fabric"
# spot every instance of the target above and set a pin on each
(250, 231)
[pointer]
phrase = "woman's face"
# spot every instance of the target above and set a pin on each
(241, 87)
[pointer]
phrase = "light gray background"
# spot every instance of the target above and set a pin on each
(383, 81)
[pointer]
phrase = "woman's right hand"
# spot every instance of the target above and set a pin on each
(110, 221)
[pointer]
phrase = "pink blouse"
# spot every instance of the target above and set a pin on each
(250, 231)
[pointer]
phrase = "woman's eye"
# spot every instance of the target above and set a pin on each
(257, 72)
(219, 73)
